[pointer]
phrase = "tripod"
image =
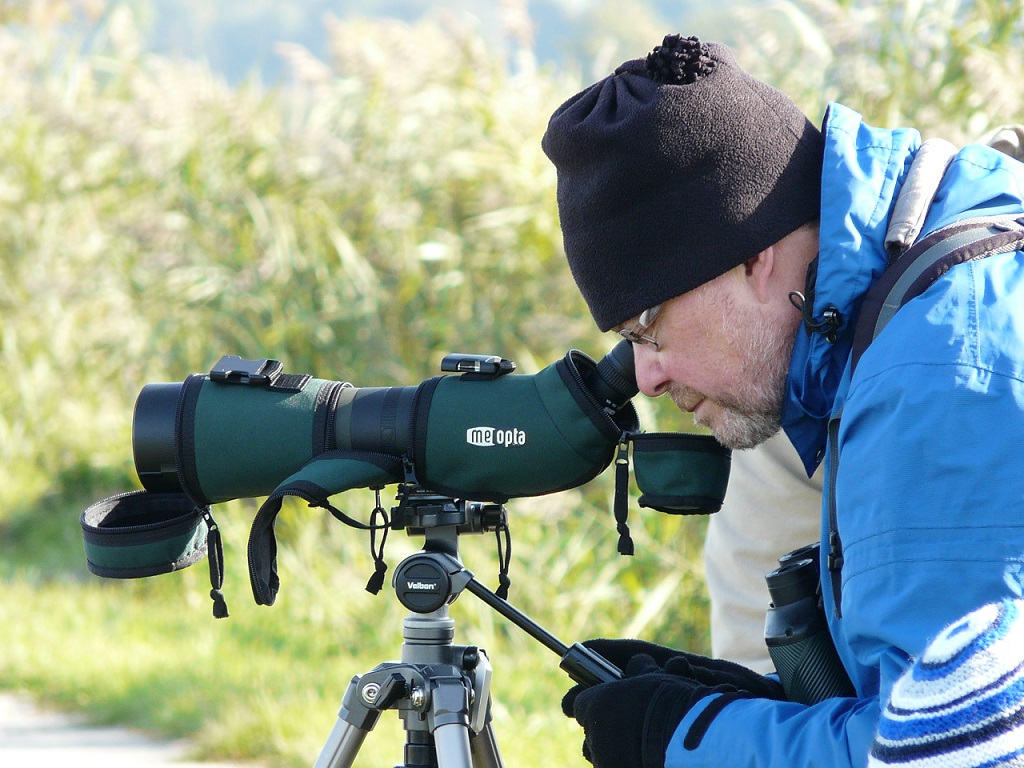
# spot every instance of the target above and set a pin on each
(441, 690)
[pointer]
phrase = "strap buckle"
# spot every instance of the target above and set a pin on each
(232, 369)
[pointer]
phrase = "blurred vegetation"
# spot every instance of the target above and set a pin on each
(950, 68)
(386, 206)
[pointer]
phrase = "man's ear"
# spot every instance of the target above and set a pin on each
(760, 273)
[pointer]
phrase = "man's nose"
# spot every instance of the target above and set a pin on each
(650, 376)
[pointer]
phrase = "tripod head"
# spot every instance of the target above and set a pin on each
(442, 519)
(428, 581)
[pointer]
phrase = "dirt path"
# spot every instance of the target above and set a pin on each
(31, 737)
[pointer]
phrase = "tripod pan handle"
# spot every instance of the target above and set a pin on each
(588, 667)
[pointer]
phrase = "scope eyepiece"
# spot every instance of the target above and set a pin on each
(613, 380)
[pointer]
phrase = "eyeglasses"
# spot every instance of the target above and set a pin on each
(638, 334)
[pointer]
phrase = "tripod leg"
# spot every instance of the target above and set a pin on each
(452, 745)
(449, 722)
(341, 747)
(484, 749)
(355, 720)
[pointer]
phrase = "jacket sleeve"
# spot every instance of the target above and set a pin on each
(751, 733)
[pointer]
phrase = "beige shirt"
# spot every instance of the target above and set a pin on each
(770, 508)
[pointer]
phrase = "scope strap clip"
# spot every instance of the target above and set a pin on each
(477, 367)
(232, 369)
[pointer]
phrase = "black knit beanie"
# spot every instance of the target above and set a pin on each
(672, 171)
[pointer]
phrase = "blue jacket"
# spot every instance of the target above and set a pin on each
(930, 492)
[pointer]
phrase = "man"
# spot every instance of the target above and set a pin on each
(706, 219)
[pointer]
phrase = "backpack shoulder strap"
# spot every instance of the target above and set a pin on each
(906, 221)
(926, 261)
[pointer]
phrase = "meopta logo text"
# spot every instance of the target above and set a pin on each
(486, 437)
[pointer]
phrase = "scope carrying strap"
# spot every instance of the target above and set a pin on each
(322, 477)
(911, 270)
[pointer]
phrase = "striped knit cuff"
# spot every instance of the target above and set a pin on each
(961, 705)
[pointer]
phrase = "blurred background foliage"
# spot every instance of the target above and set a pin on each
(382, 202)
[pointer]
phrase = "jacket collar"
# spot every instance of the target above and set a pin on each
(862, 173)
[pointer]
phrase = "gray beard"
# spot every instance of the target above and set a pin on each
(753, 413)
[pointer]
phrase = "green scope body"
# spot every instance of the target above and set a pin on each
(224, 441)
(238, 432)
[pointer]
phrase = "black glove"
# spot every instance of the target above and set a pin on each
(629, 723)
(620, 651)
(721, 672)
(697, 668)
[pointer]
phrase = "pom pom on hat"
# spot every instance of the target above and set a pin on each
(673, 170)
(961, 705)
(679, 60)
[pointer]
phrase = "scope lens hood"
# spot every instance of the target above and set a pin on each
(153, 437)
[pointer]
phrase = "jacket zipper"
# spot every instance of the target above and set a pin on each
(835, 545)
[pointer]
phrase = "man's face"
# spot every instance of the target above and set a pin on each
(723, 358)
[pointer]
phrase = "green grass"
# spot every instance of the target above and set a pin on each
(265, 683)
